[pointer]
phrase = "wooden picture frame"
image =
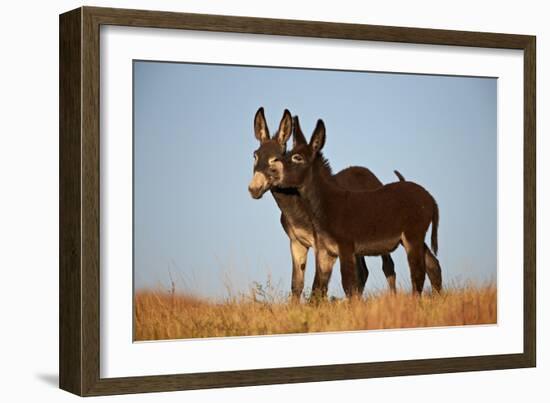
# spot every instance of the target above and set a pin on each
(79, 201)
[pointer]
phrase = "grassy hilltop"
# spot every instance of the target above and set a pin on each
(162, 315)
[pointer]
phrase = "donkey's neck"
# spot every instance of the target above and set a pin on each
(290, 203)
(278, 192)
(318, 188)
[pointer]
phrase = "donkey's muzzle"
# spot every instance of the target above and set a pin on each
(255, 193)
(258, 185)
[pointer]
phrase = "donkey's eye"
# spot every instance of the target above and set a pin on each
(273, 160)
(297, 158)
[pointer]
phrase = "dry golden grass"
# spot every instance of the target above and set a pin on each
(162, 315)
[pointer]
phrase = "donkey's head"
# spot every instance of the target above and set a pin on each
(268, 166)
(298, 163)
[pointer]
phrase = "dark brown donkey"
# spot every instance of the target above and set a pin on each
(366, 222)
(294, 217)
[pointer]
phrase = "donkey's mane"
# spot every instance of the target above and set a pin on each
(322, 164)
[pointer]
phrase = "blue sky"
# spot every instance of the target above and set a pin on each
(194, 220)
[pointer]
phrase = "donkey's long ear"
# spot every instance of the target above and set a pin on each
(297, 134)
(260, 126)
(318, 137)
(285, 128)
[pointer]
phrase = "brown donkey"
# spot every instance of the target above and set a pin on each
(294, 217)
(366, 222)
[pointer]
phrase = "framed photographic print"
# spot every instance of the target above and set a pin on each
(249, 201)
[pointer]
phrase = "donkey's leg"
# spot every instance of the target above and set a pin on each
(388, 267)
(299, 260)
(433, 269)
(418, 270)
(324, 263)
(350, 282)
(362, 272)
(415, 256)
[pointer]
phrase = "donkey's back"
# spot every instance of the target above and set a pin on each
(357, 179)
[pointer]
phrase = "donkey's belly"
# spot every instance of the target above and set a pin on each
(377, 247)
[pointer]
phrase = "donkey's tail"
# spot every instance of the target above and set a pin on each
(398, 174)
(435, 224)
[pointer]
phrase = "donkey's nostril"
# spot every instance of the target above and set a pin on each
(254, 193)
